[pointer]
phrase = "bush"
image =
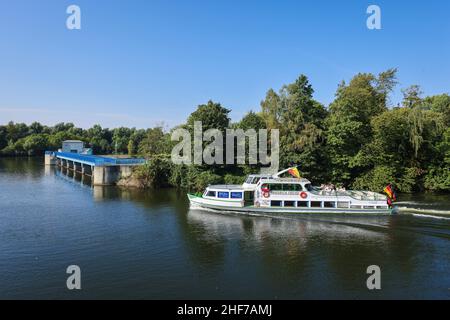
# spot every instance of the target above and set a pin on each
(233, 179)
(155, 173)
(376, 179)
(438, 179)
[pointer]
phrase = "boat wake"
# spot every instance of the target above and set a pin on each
(427, 213)
(430, 216)
(414, 203)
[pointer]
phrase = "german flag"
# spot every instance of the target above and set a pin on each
(388, 190)
(294, 172)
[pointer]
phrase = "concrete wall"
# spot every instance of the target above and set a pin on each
(101, 175)
(50, 160)
(110, 175)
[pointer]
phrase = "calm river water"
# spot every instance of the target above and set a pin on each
(148, 244)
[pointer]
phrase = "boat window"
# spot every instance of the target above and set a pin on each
(289, 203)
(222, 194)
(292, 187)
(316, 204)
(329, 204)
(211, 194)
(355, 207)
(236, 195)
(249, 195)
(255, 180)
(249, 180)
(308, 187)
(275, 203)
(342, 204)
(276, 187)
(369, 207)
(303, 204)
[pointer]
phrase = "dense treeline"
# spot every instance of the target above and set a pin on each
(358, 141)
(19, 139)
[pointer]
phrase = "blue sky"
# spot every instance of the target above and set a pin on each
(143, 63)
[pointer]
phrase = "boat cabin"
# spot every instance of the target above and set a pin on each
(252, 180)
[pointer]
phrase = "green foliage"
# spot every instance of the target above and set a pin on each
(193, 178)
(438, 179)
(251, 120)
(135, 140)
(154, 142)
(233, 179)
(212, 115)
(35, 144)
(376, 179)
(349, 123)
(121, 137)
(155, 173)
(440, 104)
(411, 96)
(300, 120)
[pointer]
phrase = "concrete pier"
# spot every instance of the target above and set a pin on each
(102, 170)
(50, 160)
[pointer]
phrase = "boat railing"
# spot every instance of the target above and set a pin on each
(284, 193)
(357, 195)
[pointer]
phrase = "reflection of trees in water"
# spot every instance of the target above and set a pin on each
(395, 250)
(292, 252)
(205, 248)
(28, 167)
(148, 198)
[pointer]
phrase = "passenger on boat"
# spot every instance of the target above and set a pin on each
(328, 187)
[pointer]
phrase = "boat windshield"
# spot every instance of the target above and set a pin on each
(252, 180)
(311, 188)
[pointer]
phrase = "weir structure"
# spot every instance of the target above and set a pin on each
(102, 170)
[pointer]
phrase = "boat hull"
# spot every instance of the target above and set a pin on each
(199, 203)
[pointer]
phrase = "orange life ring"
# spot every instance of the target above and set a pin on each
(303, 195)
(266, 194)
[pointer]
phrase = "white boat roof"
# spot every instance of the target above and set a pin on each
(259, 175)
(282, 180)
(236, 187)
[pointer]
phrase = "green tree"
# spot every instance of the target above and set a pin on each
(212, 115)
(300, 120)
(120, 139)
(99, 139)
(349, 123)
(411, 96)
(155, 142)
(36, 128)
(252, 120)
(440, 104)
(3, 137)
(135, 140)
(35, 144)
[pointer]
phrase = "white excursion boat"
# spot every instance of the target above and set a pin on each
(274, 194)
